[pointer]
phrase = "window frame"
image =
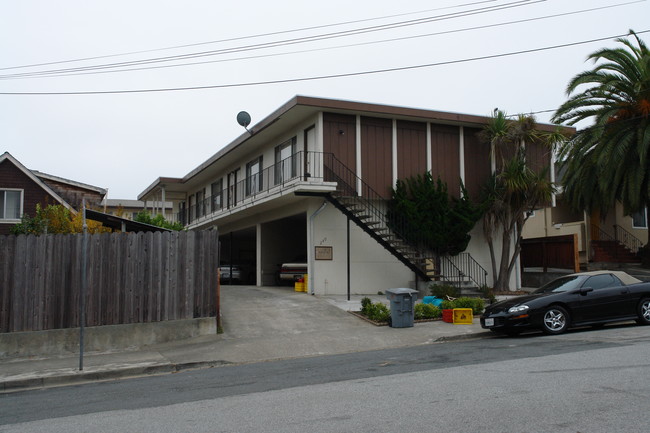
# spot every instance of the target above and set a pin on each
(216, 190)
(254, 184)
(21, 203)
(279, 167)
(645, 218)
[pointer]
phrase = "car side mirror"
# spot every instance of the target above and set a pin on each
(585, 290)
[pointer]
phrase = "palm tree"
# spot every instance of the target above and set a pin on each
(609, 161)
(515, 190)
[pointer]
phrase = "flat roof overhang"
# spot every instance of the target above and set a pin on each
(121, 224)
(292, 113)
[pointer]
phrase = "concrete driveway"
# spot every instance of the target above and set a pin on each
(262, 323)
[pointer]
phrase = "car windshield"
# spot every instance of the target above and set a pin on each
(561, 285)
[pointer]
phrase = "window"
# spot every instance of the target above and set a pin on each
(217, 195)
(200, 203)
(285, 162)
(640, 220)
(601, 281)
(254, 176)
(10, 204)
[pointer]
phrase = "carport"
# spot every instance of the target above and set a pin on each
(237, 248)
(282, 240)
(259, 250)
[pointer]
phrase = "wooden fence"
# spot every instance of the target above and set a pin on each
(551, 252)
(131, 278)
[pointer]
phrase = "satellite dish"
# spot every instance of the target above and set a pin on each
(244, 119)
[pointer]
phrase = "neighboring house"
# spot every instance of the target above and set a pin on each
(615, 238)
(310, 183)
(22, 189)
(130, 208)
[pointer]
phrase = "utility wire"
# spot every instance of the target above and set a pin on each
(294, 41)
(325, 77)
(247, 37)
(486, 26)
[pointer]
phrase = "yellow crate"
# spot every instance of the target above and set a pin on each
(463, 316)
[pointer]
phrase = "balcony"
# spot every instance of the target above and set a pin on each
(301, 172)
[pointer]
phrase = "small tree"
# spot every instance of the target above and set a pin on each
(422, 212)
(55, 219)
(158, 220)
(515, 190)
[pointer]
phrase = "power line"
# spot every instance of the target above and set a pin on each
(91, 72)
(293, 41)
(325, 77)
(239, 38)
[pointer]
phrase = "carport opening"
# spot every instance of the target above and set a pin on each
(238, 259)
(283, 241)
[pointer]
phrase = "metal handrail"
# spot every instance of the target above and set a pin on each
(462, 266)
(473, 269)
(300, 165)
(362, 200)
(627, 239)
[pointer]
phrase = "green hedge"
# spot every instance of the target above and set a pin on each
(476, 304)
(426, 311)
(377, 311)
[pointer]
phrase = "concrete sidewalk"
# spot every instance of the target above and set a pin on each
(260, 324)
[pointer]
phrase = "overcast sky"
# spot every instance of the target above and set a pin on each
(124, 141)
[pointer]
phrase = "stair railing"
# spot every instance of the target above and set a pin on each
(458, 268)
(473, 269)
(627, 239)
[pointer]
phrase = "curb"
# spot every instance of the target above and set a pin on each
(473, 336)
(12, 385)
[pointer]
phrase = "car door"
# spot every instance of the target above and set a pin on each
(607, 300)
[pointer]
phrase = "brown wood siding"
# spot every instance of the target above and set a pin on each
(339, 138)
(74, 195)
(14, 178)
(411, 148)
(477, 163)
(377, 154)
(445, 156)
(538, 157)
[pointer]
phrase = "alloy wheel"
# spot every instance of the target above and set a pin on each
(555, 320)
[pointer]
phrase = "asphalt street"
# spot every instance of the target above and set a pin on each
(583, 381)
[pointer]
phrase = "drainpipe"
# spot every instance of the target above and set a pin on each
(311, 243)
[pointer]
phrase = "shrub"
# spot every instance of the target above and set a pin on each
(377, 311)
(476, 304)
(426, 311)
(443, 290)
(365, 302)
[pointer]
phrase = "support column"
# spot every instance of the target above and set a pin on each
(358, 156)
(258, 255)
(394, 151)
(461, 153)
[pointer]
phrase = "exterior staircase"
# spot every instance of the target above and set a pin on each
(620, 248)
(369, 211)
(612, 251)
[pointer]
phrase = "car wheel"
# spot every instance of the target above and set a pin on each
(644, 312)
(555, 320)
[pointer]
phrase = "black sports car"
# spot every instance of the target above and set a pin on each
(588, 298)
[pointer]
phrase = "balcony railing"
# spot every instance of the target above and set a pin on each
(301, 166)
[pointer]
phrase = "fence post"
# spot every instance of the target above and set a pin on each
(82, 294)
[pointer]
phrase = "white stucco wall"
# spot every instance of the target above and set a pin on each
(372, 268)
(479, 250)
